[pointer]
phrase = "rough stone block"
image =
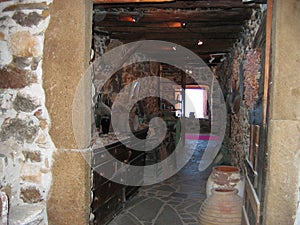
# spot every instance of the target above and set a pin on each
(14, 78)
(5, 56)
(285, 80)
(27, 20)
(41, 6)
(69, 200)
(30, 195)
(3, 165)
(33, 156)
(2, 36)
(24, 103)
(26, 63)
(43, 124)
(28, 215)
(284, 171)
(31, 172)
(23, 44)
(21, 130)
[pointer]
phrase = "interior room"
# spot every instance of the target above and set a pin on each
(140, 112)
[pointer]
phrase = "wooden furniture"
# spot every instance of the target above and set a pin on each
(109, 196)
(161, 151)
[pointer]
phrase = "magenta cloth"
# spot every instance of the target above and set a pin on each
(202, 137)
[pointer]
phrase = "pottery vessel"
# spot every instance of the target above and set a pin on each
(225, 177)
(222, 207)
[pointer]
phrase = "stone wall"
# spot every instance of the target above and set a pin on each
(26, 147)
(128, 73)
(119, 83)
(232, 76)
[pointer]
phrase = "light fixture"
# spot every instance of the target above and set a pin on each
(223, 58)
(174, 24)
(188, 71)
(248, 1)
(127, 19)
(183, 24)
(200, 42)
(137, 17)
(132, 18)
(211, 59)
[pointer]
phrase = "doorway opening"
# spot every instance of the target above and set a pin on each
(196, 102)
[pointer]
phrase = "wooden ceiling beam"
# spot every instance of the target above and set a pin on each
(156, 36)
(182, 5)
(209, 48)
(188, 25)
(142, 30)
(127, 1)
(218, 23)
(180, 15)
(175, 39)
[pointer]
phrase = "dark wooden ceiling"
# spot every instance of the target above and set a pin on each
(217, 23)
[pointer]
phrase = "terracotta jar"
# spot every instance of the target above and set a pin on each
(225, 177)
(223, 206)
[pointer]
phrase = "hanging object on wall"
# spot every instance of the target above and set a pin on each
(154, 68)
(235, 68)
(252, 75)
(233, 102)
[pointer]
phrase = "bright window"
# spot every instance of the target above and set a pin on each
(195, 102)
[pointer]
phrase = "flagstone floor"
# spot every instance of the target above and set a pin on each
(175, 201)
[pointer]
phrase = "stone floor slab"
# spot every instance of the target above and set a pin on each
(166, 188)
(168, 216)
(126, 219)
(194, 208)
(178, 195)
(175, 201)
(147, 210)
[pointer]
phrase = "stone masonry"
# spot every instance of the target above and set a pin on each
(26, 147)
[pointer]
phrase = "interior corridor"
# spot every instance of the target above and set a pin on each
(175, 201)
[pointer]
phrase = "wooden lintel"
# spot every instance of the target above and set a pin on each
(204, 37)
(169, 15)
(182, 4)
(128, 1)
(130, 29)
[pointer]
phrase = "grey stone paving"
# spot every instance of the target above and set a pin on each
(147, 210)
(175, 201)
(168, 216)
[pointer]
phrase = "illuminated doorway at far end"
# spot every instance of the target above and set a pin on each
(195, 103)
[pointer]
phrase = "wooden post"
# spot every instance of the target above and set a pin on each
(267, 75)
